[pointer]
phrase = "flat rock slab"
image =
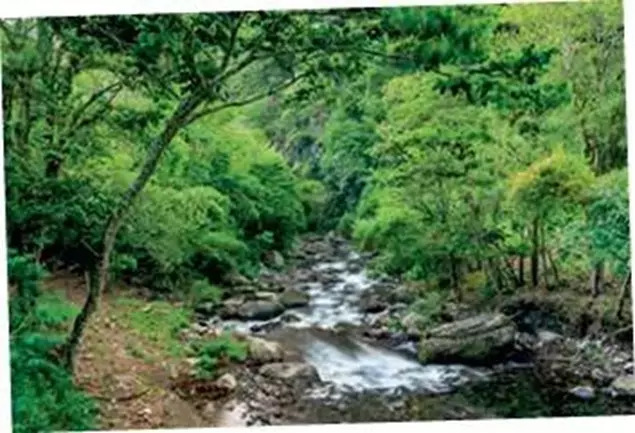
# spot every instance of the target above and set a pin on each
(476, 340)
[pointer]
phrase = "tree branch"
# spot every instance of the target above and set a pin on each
(238, 103)
(75, 117)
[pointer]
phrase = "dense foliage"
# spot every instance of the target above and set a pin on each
(475, 150)
(42, 392)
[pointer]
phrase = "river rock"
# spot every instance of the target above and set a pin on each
(477, 340)
(354, 267)
(259, 310)
(547, 337)
(373, 305)
(247, 290)
(234, 279)
(380, 320)
(266, 326)
(583, 392)
(264, 351)
(290, 371)
(274, 259)
(230, 307)
(623, 386)
(266, 296)
(210, 410)
(226, 382)
(206, 308)
(410, 324)
(293, 298)
(288, 317)
(401, 294)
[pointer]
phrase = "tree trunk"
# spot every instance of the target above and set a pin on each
(97, 283)
(597, 279)
(543, 254)
(521, 271)
(90, 305)
(554, 267)
(625, 290)
(455, 279)
(534, 254)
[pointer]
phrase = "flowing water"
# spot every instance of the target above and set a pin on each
(362, 381)
(345, 362)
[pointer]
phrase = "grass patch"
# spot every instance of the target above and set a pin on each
(54, 312)
(158, 322)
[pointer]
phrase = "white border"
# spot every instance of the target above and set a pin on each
(30, 8)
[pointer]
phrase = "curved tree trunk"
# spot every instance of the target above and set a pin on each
(98, 279)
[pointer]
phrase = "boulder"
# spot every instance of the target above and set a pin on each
(231, 307)
(623, 386)
(478, 340)
(293, 298)
(259, 310)
(290, 371)
(264, 351)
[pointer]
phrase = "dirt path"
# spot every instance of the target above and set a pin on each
(120, 369)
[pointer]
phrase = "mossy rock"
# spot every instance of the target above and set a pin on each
(478, 340)
(294, 298)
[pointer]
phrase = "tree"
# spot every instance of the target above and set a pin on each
(205, 62)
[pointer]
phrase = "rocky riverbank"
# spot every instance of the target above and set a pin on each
(327, 342)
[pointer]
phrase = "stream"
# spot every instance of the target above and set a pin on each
(362, 380)
(324, 333)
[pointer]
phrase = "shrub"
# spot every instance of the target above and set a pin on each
(43, 396)
(428, 309)
(202, 291)
(222, 350)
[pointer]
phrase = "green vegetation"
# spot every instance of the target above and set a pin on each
(157, 322)
(218, 352)
(42, 392)
(477, 151)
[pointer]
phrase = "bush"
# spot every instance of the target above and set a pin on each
(43, 395)
(220, 351)
(428, 309)
(202, 291)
